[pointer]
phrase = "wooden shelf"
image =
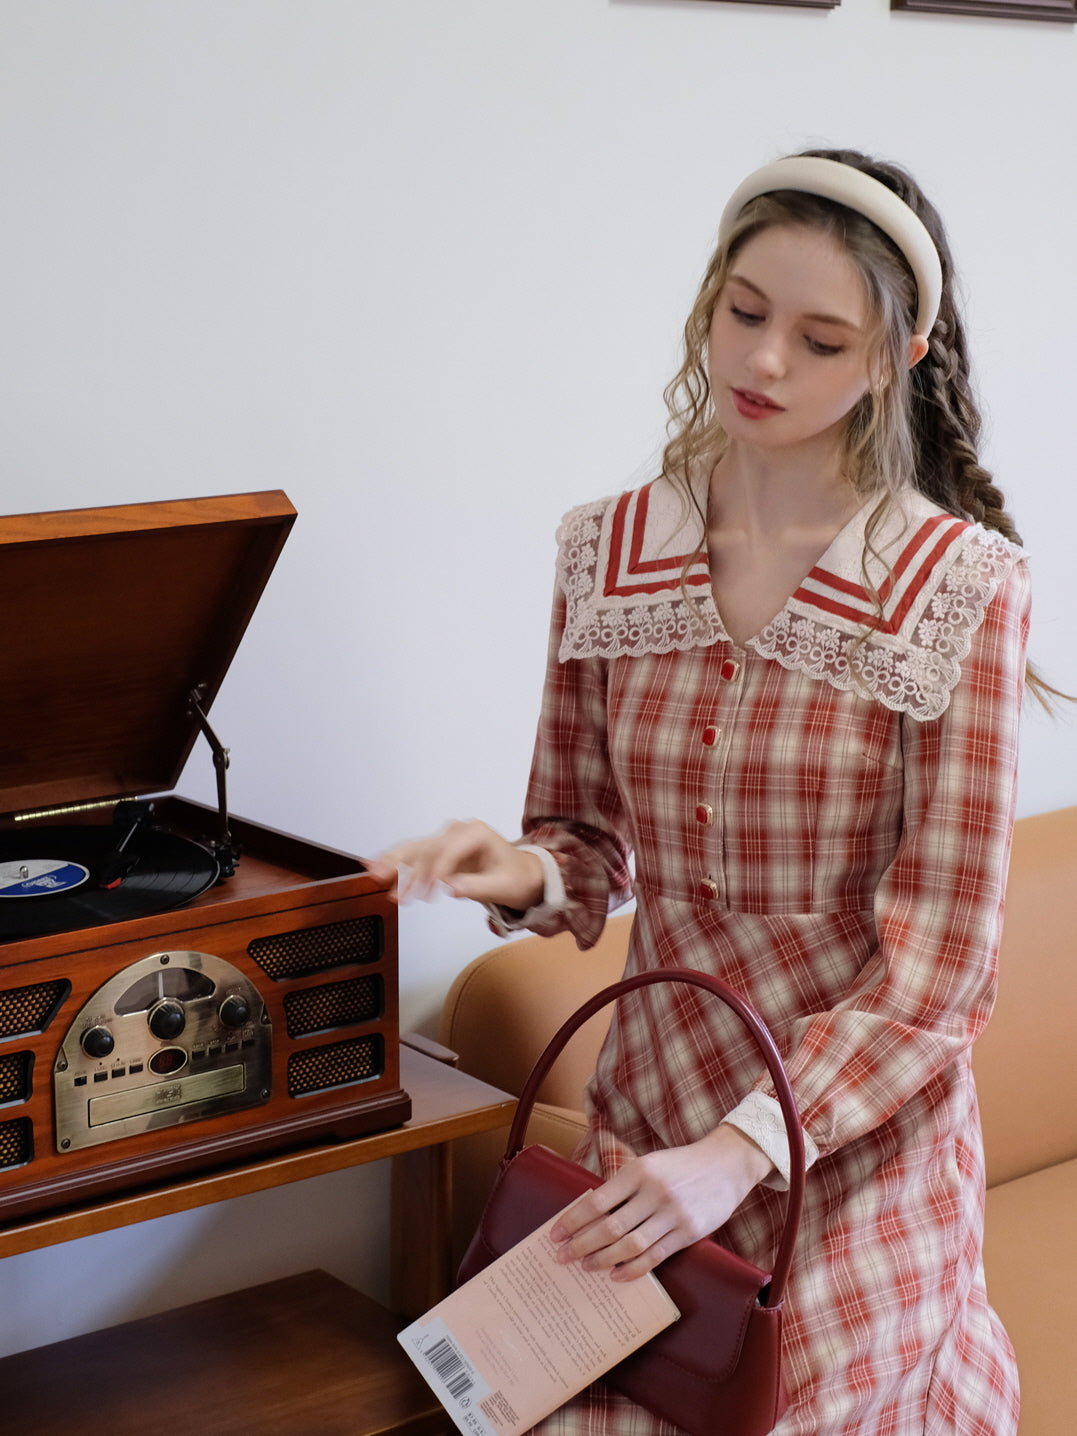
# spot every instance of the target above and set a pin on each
(292, 1357)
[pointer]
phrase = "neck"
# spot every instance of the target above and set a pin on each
(765, 493)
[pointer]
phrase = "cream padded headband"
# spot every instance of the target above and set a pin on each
(858, 191)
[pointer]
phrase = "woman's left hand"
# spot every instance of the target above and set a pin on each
(658, 1203)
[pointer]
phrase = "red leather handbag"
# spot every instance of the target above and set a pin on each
(717, 1370)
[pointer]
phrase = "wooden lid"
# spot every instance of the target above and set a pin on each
(109, 618)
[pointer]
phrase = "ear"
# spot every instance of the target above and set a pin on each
(917, 349)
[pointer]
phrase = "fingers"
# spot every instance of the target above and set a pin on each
(469, 859)
(626, 1242)
(658, 1203)
(641, 1251)
(418, 867)
(393, 867)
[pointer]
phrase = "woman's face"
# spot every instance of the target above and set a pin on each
(787, 354)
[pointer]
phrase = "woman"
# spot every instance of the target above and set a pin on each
(786, 675)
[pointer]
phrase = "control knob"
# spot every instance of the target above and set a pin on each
(234, 1011)
(97, 1041)
(167, 1019)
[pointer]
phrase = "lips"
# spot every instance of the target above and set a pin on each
(755, 406)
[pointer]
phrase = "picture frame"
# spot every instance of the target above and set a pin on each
(1058, 10)
(800, 4)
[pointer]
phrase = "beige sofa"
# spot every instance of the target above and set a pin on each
(504, 1006)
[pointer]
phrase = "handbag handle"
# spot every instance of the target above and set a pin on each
(768, 1050)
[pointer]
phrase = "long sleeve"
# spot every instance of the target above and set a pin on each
(573, 805)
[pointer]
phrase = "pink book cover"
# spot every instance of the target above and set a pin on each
(524, 1335)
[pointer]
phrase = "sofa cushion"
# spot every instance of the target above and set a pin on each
(1030, 1255)
(506, 1005)
(1026, 1061)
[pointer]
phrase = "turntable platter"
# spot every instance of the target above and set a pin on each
(57, 879)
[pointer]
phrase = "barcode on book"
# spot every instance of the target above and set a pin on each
(445, 1365)
(446, 1360)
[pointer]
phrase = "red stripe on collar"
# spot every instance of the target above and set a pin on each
(902, 585)
(625, 570)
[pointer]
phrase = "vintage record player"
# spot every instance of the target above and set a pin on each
(179, 988)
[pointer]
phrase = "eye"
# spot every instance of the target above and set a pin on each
(744, 316)
(826, 350)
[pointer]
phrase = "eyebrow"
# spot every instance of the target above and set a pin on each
(816, 318)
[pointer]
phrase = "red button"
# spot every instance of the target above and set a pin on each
(708, 888)
(729, 670)
(705, 814)
(711, 734)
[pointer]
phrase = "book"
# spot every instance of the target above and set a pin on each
(527, 1333)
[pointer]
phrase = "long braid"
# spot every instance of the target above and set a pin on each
(946, 422)
(947, 427)
(944, 418)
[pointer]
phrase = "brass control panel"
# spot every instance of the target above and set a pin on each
(174, 1037)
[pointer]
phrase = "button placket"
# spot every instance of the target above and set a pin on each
(711, 814)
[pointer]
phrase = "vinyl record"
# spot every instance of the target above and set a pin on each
(52, 879)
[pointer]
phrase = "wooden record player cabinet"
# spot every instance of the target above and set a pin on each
(276, 987)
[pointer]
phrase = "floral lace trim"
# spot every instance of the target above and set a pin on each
(911, 671)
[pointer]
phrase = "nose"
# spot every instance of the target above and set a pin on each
(768, 357)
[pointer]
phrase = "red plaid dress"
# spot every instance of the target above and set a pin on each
(835, 847)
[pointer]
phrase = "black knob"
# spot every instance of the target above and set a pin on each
(234, 1011)
(97, 1042)
(167, 1019)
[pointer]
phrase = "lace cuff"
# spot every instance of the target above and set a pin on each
(760, 1118)
(505, 920)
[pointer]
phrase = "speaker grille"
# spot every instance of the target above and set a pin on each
(26, 1010)
(15, 1069)
(319, 1068)
(16, 1143)
(319, 949)
(337, 1004)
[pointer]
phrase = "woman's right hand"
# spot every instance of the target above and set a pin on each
(471, 860)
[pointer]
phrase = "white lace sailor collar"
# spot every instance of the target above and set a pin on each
(620, 564)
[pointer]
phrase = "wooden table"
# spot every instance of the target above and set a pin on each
(298, 1357)
(446, 1104)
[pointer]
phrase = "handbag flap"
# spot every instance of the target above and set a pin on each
(714, 1290)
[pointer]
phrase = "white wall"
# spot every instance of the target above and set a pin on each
(423, 264)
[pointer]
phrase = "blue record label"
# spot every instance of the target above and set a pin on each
(40, 877)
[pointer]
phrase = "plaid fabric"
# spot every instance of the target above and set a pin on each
(843, 864)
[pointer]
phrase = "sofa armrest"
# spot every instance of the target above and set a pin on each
(558, 1127)
(429, 1048)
